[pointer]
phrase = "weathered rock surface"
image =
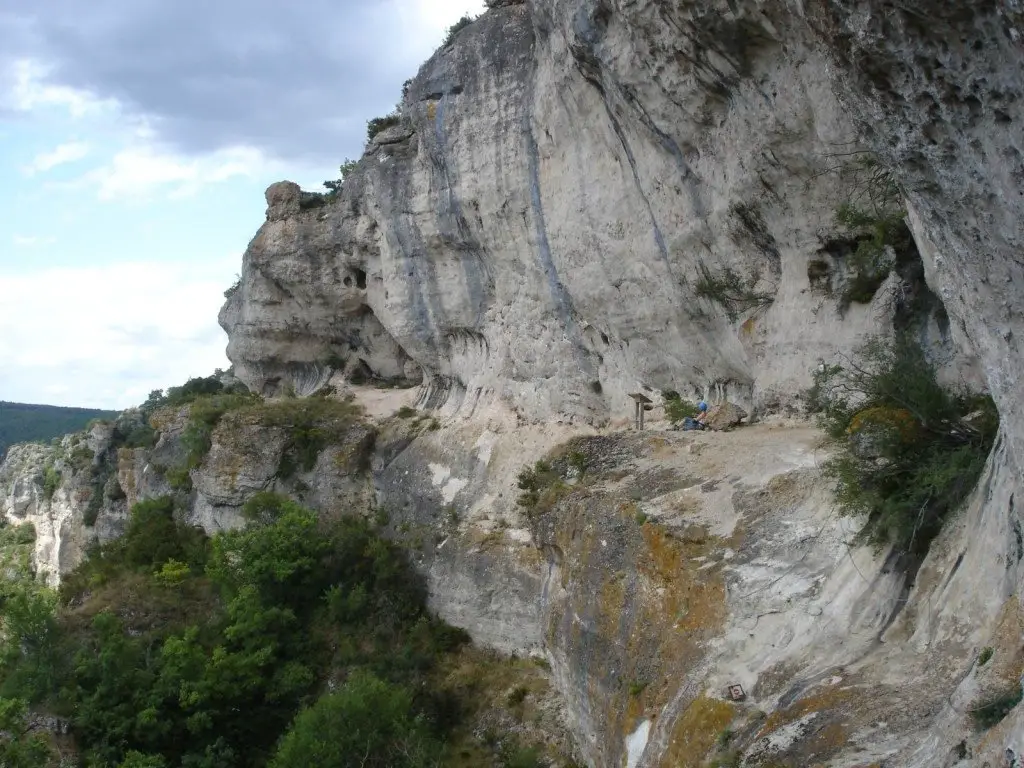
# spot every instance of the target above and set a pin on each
(533, 234)
(528, 244)
(724, 416)
(62, 490)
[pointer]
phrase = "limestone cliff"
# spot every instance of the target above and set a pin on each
(530, 243)
(533, 230)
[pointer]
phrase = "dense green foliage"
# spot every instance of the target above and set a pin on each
(992, 711)
(23, 423)
(188, 392)
(913, 450)
(368, 722)
(168, 648)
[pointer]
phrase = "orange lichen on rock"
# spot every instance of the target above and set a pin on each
(692, 598)
(696, 732)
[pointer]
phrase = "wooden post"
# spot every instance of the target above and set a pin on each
(639, 401)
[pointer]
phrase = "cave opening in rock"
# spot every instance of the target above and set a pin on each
(360, 279)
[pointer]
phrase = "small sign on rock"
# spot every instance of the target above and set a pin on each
(735, 692)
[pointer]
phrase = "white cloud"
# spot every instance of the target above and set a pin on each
(32, 241)
(69, 152)
(110, 334)
(29, 91)
(142, 171)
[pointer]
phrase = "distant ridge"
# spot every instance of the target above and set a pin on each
(24, 422)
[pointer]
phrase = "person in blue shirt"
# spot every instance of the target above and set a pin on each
(698, 421)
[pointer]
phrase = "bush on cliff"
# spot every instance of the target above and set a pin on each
(911, 452)
(378, 124)
(455, 28)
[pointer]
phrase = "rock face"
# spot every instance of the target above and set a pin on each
(587, 198)
(64, 490)
(535, 230)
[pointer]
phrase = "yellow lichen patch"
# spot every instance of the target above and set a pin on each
(431, 110)
(613, 599)
(696, 732)
(829, 699)
(896, 420)
(747, 329)
(690, 598)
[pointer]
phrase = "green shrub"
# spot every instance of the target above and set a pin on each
(184, 394)
(909, 456)
(984, 656)
(22, 746)
(141, 436)
(179, 478)
(578, 461)
(677, 409)
(334, 187)
(204, 415)
(455, 28)
(992, 711)
(378, 124)
(405, 412)
(81, 457)
(730, 290)
(95, 505)
(535, 482)
(312, 423)
(368, 722)
(51, 481)
(637, 687)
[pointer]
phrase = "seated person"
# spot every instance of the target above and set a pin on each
(697, 422)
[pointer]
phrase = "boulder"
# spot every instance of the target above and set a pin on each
(725, 416)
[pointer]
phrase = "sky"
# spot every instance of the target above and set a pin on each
(136, 140)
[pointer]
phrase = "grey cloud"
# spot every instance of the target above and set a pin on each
(298, 80)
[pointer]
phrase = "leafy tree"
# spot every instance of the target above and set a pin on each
(175, 649)
(912, 451)
(367, 723)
